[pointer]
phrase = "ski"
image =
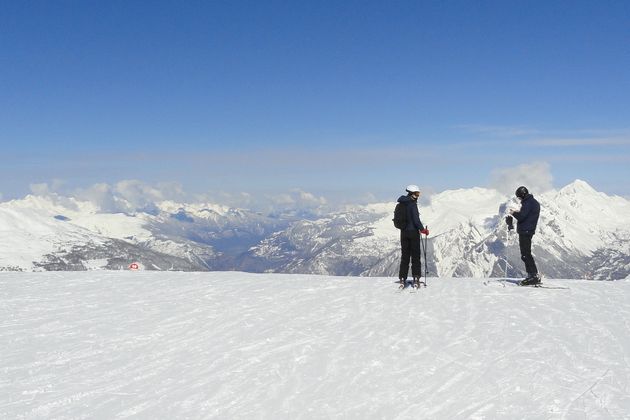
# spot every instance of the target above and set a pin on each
(542, 286)
(514, 282)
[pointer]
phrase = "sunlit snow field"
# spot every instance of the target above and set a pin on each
(107, 345)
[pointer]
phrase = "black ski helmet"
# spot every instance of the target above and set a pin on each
(521, 192)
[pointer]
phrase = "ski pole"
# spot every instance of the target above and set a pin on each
(510, 227)
(424, 251)
(507, 248)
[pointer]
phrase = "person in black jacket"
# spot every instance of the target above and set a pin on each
(527, 218)
(410, 237)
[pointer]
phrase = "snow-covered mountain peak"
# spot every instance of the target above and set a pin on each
(582, 203)
(579, 187)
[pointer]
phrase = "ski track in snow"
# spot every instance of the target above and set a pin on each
(116, 345)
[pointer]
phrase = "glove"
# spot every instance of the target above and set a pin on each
(425, 232)
(509, 221)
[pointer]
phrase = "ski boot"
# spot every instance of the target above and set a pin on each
(531, 280)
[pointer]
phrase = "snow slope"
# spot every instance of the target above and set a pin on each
(244, 346)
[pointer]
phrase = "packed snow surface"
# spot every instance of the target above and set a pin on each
(246, 346)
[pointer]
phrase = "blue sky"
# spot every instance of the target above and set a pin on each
(338, 98)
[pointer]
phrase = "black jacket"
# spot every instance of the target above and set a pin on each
(527, 216)
(413, 217)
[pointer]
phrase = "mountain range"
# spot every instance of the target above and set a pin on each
(582, 233)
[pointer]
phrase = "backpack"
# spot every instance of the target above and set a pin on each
(400, 216)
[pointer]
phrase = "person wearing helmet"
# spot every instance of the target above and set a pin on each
(410, 238)
(527, 218)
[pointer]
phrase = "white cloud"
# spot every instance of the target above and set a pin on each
(102, 196)
(51, 191)
(535, 176)
(130, 195)
(304, 198)
(47, 188)
(138, 196)
(283, 200)
(40, 189)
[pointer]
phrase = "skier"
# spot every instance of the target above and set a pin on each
(527, 218)
(410, 238)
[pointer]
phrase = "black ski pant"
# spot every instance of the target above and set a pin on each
(525, 243)
(410, 247)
